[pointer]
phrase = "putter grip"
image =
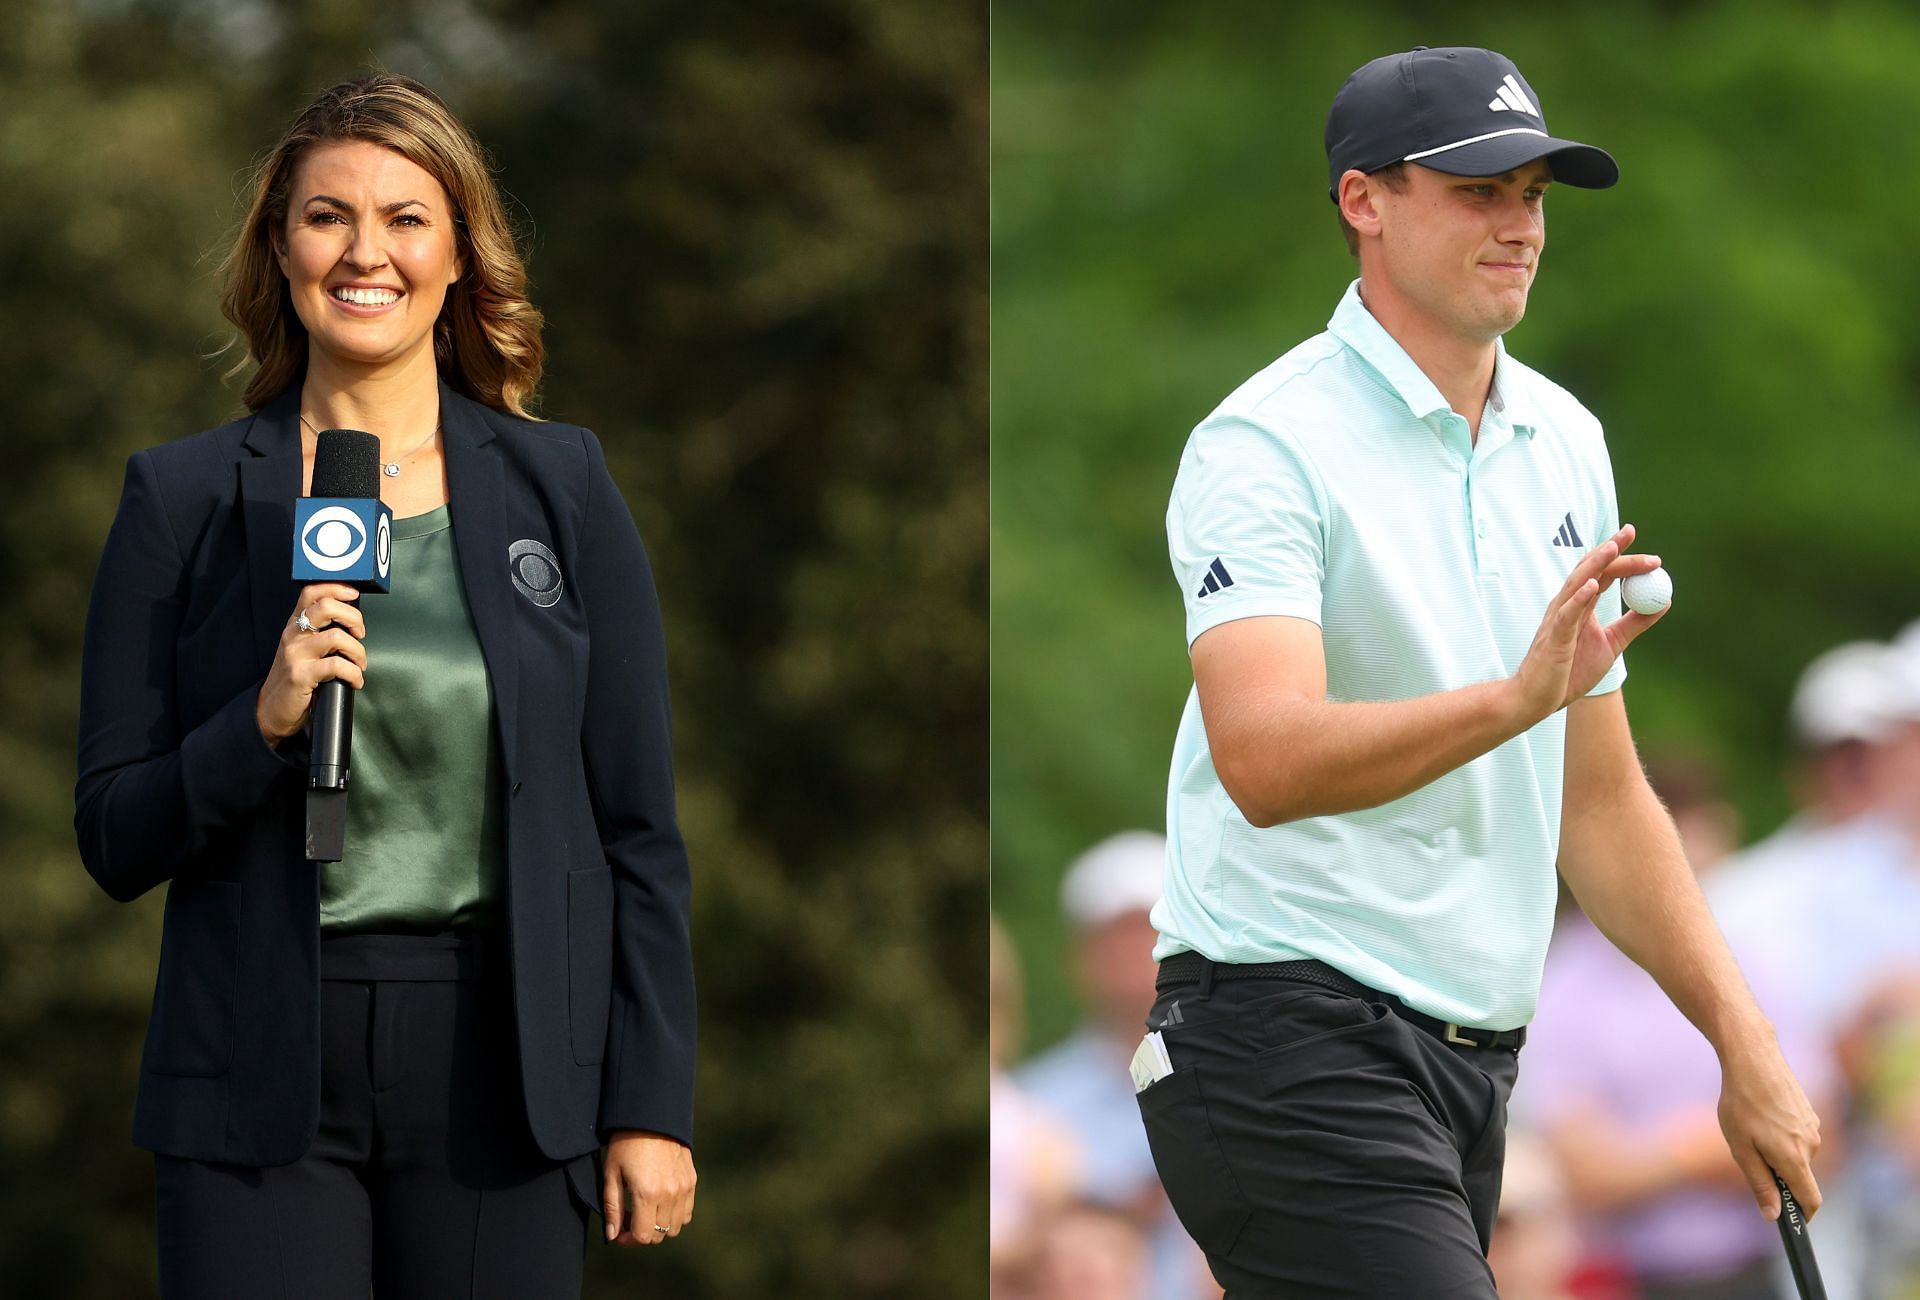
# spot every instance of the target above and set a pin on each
(1793, 1232)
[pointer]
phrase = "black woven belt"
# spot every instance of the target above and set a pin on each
(1188, 968)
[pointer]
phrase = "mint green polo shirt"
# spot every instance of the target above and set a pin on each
(1337, 486)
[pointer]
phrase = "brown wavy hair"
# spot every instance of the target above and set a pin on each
(486, 342)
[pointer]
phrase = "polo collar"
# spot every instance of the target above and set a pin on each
(1501, 397)
(1356, 327)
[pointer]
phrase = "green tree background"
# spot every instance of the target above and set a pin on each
(759, 235)
(1740, 311)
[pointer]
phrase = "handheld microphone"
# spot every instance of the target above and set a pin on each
(342, 533)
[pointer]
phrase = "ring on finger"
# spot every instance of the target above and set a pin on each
(304, 623)
(661, 1229)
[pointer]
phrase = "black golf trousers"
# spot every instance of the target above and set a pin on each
(1317, 1144)
(423, 1182)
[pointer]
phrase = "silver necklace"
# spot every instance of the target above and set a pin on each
(390, 468)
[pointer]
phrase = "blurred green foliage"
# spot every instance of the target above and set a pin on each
(759, 235)
(1740, 312)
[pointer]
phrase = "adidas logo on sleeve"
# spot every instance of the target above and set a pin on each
(1217, 578)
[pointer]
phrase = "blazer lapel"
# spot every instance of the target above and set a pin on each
(476, 481)
(477, 506)
(269, 482)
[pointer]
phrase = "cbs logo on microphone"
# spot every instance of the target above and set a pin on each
(343, 540)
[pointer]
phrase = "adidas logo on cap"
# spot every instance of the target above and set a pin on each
(1510, 96)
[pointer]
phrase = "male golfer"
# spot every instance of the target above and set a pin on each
(1398, 548)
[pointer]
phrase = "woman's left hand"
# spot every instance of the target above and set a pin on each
(657, 1172)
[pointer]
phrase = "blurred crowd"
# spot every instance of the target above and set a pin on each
(1823, 915)
(1077, 1212)
(1618, 1184)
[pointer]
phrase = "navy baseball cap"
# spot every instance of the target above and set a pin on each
(1458, 109)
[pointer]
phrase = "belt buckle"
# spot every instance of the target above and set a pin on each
(1453, 1036)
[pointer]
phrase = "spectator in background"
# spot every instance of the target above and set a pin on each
(1031, 1157)
(1093, 1252)
(1828, 902)
(1536, 1239)
(1862, 918)
(1845, 707)
(1106, 895)
(1883, 1053)
(1846, 704)
(1819, 906)
(1871, 916)
(1625, 1092)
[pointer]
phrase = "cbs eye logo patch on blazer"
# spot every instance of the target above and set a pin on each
(535, 571)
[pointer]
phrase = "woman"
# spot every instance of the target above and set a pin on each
(395, 1069)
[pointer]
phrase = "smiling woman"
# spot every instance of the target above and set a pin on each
(329, 234)
(368, 276)
(395, 1069)
(376, 170)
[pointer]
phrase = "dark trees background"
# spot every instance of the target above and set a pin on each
(759, 236)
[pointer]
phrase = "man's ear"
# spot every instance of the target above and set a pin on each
(1359, 204)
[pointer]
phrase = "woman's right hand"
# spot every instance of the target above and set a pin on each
(305, 659)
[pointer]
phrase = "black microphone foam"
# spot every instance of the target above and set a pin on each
(346, 463)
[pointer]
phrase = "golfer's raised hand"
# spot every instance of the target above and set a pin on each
(305, 659)
(1571, 652)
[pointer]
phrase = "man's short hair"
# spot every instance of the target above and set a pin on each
(1394, 177)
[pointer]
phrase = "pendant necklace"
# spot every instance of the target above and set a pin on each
(390, 468)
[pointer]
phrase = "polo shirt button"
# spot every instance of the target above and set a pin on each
(1480, 530)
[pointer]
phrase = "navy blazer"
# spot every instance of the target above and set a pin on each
(176, 784)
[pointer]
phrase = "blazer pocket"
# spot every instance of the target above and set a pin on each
(589, 960)
(191, 1029)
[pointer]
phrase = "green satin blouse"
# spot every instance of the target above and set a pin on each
(424, 847)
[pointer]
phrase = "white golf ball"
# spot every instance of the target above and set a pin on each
(1647, 593)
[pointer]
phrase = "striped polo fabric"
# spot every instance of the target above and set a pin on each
(1337, 486)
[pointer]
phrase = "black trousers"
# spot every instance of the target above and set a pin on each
(423, 1180)
(1316, 1144)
